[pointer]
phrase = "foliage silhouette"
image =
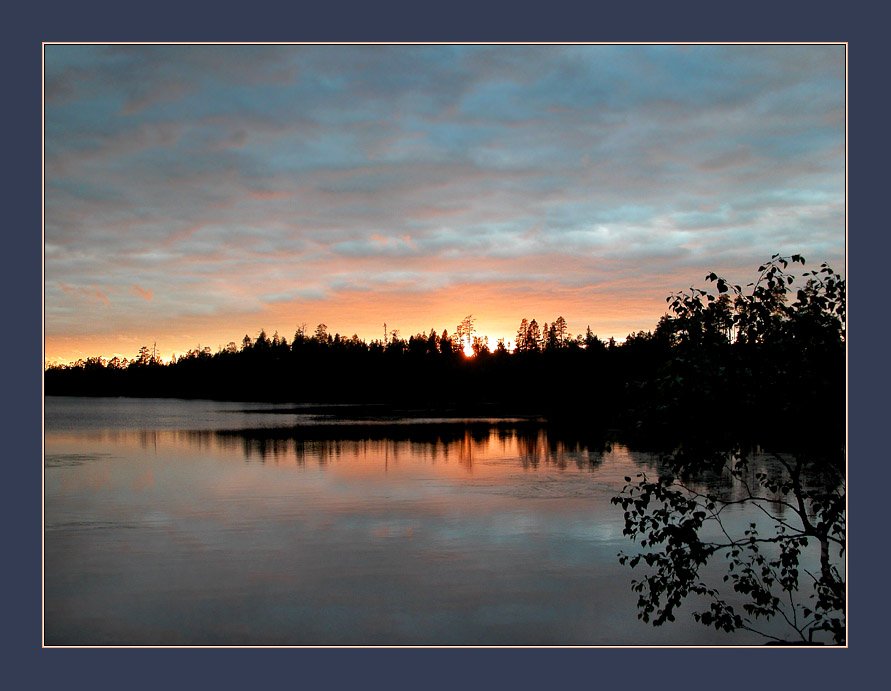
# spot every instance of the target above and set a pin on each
(785, 364)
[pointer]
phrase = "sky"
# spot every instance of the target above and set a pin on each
(195, 194)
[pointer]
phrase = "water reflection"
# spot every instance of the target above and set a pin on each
(468, 446)
(533, 446)
(476, 447)
(399, 534)
(436, 532)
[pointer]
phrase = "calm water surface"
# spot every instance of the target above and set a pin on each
(196, 522)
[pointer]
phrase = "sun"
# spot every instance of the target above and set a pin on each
(468, 350)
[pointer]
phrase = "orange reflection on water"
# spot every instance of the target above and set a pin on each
(448, 450)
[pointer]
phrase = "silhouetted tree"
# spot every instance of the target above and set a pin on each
(446, 346)
(560, 330)
(522, 335)
(533, 336)
(432, 342)
(551, 342)
(465, 331)
(262, 342)
(774, 378)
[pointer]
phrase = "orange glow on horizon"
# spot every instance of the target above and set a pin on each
(102, 334)
(109, 331)
(174, 341)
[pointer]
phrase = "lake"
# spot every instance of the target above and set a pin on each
(171, 522)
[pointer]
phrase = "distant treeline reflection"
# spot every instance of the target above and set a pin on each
(533, 444)
(529, 445)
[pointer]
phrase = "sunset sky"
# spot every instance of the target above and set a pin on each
(195, 194)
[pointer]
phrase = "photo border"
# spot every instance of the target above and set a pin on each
(431, 668)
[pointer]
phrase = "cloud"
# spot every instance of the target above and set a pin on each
(145, 294)
(90, 293)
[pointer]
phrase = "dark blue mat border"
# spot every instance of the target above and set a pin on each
(422, 667)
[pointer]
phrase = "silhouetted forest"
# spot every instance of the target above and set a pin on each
(759, 360)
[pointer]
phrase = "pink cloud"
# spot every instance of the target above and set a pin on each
(93, 294)
(146, 294)
(263, 194)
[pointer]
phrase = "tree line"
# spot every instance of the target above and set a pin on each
(425, 370)
(738, 354)
(530, 338)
